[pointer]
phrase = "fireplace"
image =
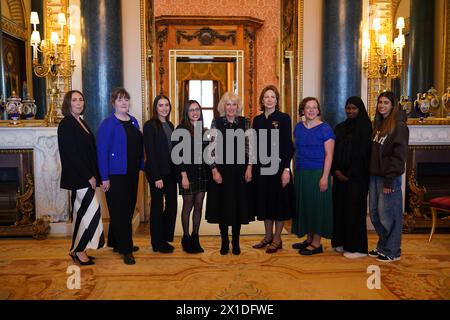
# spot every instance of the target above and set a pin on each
(16, 187)
(428, 176)
(50, 202)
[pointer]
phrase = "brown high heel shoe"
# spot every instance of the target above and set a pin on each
(264, 242)
(274, 247)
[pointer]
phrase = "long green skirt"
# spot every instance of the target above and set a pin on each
(313, 209)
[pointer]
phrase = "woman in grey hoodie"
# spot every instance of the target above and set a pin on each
(387, 164)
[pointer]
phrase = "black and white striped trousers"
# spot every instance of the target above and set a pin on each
(87, 221)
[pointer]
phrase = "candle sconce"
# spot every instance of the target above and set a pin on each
(383, 58)
(53, 57)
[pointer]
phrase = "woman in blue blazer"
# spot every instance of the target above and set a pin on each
(120, 157)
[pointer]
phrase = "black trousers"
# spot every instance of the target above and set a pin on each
(121, 199)
(163, 211)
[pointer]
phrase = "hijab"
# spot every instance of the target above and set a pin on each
(350, 135)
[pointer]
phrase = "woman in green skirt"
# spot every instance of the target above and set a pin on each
(314, 145)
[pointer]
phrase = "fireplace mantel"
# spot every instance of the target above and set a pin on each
(429, 135)
(51, 202)
(425, 142)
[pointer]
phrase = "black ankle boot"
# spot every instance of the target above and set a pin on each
(195, 241)
(235, 242)
(225, 246)
(186, 243)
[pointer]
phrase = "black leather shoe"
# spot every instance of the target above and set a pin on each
(301, 245)
(128, 258)
(309, 252)
(169, 245)
(163, 249)
(135, 248)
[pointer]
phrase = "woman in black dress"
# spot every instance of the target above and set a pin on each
(80, 175)
(350, 170)
(192, 177)
(274, 192)
(161, 175)
(229, 201)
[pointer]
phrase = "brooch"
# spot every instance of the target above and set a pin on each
(275, 124)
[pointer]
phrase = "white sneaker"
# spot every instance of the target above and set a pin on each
(354, 255)
(339, 249)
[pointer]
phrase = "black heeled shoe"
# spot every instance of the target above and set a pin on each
(77, 259)
(128, 258)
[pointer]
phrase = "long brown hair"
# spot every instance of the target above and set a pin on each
(386, 125)
(186, 121)
(155, 112)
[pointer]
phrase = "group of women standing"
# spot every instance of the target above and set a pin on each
(238, 191)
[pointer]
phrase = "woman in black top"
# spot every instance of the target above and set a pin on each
(274, 191)
(229, 201)
(193, 178)
(161, 175)
(120, 157)
(80, 175)
(350, 170)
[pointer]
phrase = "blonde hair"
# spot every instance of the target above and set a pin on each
(229, 96)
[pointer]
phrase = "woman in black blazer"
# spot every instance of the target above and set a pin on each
(161, 175)
(78, 155)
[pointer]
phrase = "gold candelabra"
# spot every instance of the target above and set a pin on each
(53, 59)
(382, 57)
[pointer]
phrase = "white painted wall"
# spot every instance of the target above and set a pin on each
(131, 39)
(132, 76)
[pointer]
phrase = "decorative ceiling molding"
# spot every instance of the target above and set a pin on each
(15, 25)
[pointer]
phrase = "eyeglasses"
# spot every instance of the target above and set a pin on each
(194, 110)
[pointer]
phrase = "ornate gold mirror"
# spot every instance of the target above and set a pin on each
(37, 59)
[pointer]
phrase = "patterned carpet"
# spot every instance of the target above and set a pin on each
(32, 269)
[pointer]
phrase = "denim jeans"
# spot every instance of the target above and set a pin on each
(386, 215)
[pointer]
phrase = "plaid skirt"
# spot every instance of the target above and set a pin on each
(198, 184)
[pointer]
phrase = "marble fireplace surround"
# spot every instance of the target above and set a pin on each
(420, 135)
(50, 201)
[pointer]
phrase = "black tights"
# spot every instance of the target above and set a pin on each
(236, 230)
(189, 201)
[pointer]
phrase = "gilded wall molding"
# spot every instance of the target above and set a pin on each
(447, 45)
(144, 50)
(250, 36)
(14, 29)
(206, 36)
(299, 66)
(161, 37)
